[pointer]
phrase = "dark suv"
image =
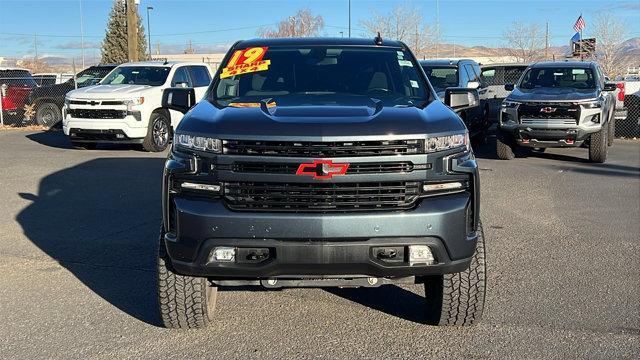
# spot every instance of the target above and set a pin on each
(48, 100)
(320, 162)
(464, 73)
(558, 104)
(15, 86)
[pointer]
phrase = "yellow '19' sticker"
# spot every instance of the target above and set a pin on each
(246, 61)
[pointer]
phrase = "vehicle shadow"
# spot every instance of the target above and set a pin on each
(390, 299)
(57, 139)
(100, 220)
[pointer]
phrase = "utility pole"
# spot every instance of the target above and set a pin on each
(437, 28)
(349, 18)
(454, 48)
(149, 29)
(132, 31)
(546, 40)
(35, 47)
(158, 48)
(81, 34)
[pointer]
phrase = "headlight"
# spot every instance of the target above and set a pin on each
(510, 104)
(199, 143)
(134, 101)
(441, 143)
(592, 105)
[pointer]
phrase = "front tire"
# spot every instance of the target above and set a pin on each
(48, 114)
(158, 134)
(598, 145)
(611, 130)
(184, 302)
(504, 148)
(458, 299)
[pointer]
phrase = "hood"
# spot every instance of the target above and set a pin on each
(109, 92)
(317, 121)
(552, 94)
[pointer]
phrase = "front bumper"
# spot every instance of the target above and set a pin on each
(550, 132)
(340, 244)
(133, 126)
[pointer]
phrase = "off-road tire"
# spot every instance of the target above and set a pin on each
(612, 130)
(48, 114)
(84, 145)
(504, 148)
(458, 299)
(185, 302)
(151, 142)
(598, 145)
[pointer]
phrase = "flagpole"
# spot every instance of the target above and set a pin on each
(581, 43)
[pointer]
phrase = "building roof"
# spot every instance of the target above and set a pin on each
(315, 41)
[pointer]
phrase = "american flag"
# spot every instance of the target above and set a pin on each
(580, 24)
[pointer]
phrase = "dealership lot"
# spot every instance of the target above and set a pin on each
(79, 231)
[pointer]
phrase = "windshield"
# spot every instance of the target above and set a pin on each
(20, 78)
(137, 75)
(318, 74)
(442, 77)
(561, 77)
(91, 76)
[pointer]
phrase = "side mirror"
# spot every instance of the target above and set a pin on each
(461, 98)
(473, 84)
(179, 99)
(610, 86)
(509, 87)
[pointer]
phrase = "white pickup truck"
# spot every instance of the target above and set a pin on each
(126, 106)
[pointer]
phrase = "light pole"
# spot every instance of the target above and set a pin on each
(349, 18)
(341, 33)
(81, 35)
(149, 29)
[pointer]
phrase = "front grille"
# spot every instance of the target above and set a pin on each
(548, 121)
(322, 149)
(289, 168)
(321, 197)
(557, 111)
(97, 113)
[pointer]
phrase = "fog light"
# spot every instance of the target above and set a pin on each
(201, 187)
(420, 255)
(222, 254)
(443, 186)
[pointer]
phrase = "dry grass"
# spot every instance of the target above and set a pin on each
(23, 128)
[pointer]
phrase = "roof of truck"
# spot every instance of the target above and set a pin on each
(318, 41)
(161, 63)
(443, 62)
(577, 64)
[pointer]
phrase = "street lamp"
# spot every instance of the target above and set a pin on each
(149, 29)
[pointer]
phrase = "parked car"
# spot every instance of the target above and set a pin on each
(46, 79)
(320, 162)
(126, 106)
(558, 104)
(495, 77)
(462, 73)
(49, 100)
(628, 106)
(15, 86)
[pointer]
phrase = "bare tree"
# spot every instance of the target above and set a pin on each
(525, 41)
(610, 32)
(302, 24)
(403, 23)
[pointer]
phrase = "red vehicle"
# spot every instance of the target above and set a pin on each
(15, 86)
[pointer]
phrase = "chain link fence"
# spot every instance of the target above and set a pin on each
(37, 99)
(627, 114)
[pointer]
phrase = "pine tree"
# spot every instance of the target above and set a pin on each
(114, 45)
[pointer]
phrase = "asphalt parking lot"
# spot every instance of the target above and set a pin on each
(79, 230)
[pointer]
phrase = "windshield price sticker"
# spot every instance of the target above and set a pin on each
(246, 61)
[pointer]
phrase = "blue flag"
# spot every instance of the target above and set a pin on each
(576, 37)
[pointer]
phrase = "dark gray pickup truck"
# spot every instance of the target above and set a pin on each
(558, 104)
(320, 162)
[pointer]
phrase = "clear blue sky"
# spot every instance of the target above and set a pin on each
(213, 24)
